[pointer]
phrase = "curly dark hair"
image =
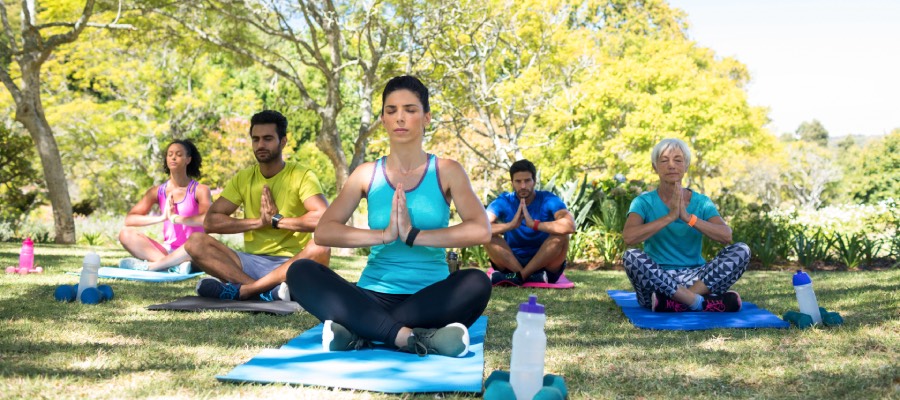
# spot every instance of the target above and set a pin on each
(193, 167)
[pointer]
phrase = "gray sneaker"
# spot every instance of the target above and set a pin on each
(133, 263)
(451, 341)
(337, 338)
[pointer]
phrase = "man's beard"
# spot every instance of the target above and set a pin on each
(268, 156)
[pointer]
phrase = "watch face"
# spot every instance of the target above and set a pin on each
(275, 219)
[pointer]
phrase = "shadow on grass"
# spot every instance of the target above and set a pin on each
(596, 347)
(123, 330)
(590, 341)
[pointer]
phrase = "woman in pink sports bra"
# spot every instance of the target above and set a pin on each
(182, 203)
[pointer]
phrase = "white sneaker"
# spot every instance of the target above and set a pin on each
(133, 263)
(284, 292)
(183, 268)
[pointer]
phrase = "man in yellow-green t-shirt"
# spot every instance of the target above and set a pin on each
(282, 204)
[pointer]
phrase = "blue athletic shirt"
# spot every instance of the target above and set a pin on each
(677, 246)
(523, 240)
(396, 268)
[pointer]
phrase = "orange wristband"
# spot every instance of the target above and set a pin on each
(692, 221)
(535, 225)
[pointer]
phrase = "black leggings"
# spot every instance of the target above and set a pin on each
(462, 297)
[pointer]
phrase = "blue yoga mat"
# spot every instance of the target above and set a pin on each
(144, 276)
(750, 316)
(302, 361)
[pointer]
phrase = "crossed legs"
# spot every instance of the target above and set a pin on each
(144, 248)
(715, 277)
(216, 259)
(550, 256)
(461, 297)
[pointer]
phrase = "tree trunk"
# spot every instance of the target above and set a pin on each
(30, 113)
(329, 142)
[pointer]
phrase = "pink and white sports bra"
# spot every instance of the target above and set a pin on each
(174, 235)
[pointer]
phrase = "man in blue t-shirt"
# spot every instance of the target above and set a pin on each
(530, 229)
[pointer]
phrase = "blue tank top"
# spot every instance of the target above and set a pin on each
(395, 267)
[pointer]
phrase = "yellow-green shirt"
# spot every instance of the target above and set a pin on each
(289, 188)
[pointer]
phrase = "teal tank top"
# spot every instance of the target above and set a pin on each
(395, 267)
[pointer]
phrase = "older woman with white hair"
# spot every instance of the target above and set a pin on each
(670, 274)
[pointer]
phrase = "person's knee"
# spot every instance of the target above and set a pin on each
(126, 234)
(559, 239)
(629, 256)
(475, 280)
(196, 242)
(299, 270)
(556, 244)
(320, 254)
(497, 243)
(630, 253)
(743, 249)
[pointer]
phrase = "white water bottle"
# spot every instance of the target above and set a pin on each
(88, 273)
(526, 368)
(806, 298)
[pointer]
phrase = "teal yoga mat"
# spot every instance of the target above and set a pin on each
(750, 316)
(144, 276)
(302, 361)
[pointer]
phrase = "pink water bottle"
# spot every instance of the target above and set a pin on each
(26, 257)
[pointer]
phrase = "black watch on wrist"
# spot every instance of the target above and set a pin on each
(275, 219)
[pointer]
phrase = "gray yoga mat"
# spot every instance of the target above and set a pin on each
(195, 303)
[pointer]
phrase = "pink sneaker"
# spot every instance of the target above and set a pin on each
(728, 302)
(663, 303)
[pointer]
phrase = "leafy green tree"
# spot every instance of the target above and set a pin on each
(19, 182)
(811, 171)
(117, 100)
(29, 47)
(653, 85)
(325, 49)
(876, 174)
(495, 69)
(847, 144)
(813, 132)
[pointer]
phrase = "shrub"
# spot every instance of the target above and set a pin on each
(849, 249)
(476, 255)
(811, 248)
(766, 233)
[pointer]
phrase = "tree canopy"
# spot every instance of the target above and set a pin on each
(580, 88)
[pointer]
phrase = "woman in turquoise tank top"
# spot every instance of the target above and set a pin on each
(670, 274)
(406, 297)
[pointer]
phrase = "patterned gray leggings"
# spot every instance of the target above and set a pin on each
(718, 274)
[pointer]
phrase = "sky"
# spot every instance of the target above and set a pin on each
(834, 61)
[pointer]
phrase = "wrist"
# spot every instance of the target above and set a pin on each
(534, 226)
(692, 221)
(276, 219)
(402, 234)
(411, 236)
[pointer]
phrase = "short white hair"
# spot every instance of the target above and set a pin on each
(666, 144)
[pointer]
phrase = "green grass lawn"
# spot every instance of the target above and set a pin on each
(118, 349)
